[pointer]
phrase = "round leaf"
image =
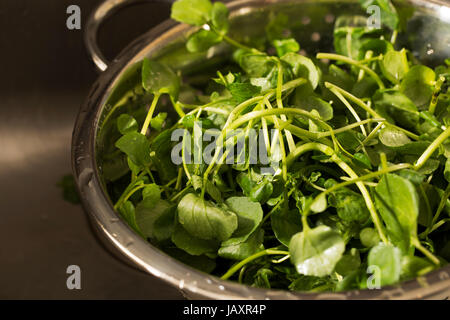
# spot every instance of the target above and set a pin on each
(394, 65)
(391, 137)
(127, 124)
(136, 146)
(417, 84)
(369, 237)
(219, 17)
(315, 252)
(249, 215)
(158, 78)
(202, 40)
(202, 219)
(193, 245)
(285, 223)
(303, 67)
(194, 12)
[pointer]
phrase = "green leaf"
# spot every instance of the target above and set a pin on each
(204, 220)
(377, 46)
(315, 252)
(194, 12)
(349, 263)
(412, 267)
(285, 46)
(202, 40)
(261, 192)
(369, 237)
(158, 78)
(242, 250)
(350, 206)
(285, 223)
(392, 137)
(135, 169)
(193, 245)
(128, 212)
(256, 65)
(161, 149)
(151, 194)
(394, 65)
(350, 140)
(302, 67)
(202, 262)
(394, 99)
(148, 212)
(249, 215)
(417, 84)
(136, 146)
(306, 99)
(319, 204)
(262, 278)
(127, 124)
(158, 121)
(363, 160)
(164, 225)
(243, 91)
(219, 18)
(398, 204)
(387, 260)
(447, 170)
(245, 182)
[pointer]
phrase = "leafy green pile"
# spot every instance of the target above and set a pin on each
(361, 194)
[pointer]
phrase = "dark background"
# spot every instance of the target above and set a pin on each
(45, 75)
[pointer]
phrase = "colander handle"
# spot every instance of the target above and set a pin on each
(100, 13)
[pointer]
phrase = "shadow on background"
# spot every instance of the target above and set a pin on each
(45, 76)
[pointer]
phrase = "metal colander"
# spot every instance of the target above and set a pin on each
(312, 22)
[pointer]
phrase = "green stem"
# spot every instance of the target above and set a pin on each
(313, 146)
(370, 136)
(350, 108)
(281, 140)
(337, 57)
(441, 206)
(416, 243)
(431, 148)
(365, 107)
(352, 98)
(179, 179)
(276, 207)
(368, 55)
(150, 114)
(240, 45)
(257, 255)
(127, 196)
(177, 107)
(434, 97)
(289, 139)
(179, 194)
(394, 36)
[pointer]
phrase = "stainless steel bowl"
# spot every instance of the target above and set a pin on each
(313, 22)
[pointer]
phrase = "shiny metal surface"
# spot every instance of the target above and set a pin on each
(45, 77)
(248, 15)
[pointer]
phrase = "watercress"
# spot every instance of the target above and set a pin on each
(348, 184)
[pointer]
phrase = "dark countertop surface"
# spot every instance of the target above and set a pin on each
(45, 76)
